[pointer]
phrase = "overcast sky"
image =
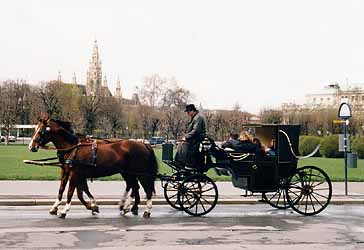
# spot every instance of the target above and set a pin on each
(258, 53)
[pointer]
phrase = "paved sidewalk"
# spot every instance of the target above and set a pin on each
(109, 192)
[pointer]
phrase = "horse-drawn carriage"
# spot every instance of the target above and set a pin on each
(307, 190)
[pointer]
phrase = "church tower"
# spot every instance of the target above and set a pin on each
(118, 90)
(94, 73)
(59, 77)
(74, 80)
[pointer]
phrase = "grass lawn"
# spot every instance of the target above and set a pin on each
(13, 168)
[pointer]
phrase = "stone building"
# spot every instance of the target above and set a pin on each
(328, 98)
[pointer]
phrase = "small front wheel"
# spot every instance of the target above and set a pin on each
(197, 195)
(170, 193)
(278, 199)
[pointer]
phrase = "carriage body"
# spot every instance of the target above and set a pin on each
(262, 173)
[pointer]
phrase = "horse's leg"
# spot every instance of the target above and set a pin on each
(135, 194)
(92, 204)
(126, 199)
(148, 186)
(62, 187)
(82, 187)
(73, 182)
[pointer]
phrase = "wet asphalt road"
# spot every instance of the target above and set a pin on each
(227, 227)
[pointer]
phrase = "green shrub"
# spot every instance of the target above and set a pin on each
(308, 144)
(330, 147)
(357, 146)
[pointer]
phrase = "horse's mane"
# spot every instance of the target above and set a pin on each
(67, 130)
(66, 125)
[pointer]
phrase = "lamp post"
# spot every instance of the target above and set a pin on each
(344, 114)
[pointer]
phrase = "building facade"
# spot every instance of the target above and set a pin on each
(328, 98)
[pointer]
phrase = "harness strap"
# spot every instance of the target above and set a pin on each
(94, 152)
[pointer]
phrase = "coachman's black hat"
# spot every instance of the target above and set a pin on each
(190, 107)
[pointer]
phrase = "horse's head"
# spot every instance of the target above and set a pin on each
(41, 134)
(49, 130)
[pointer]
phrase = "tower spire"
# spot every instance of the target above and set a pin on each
(118, 89)
(94, 73)
(105, 81)
(59, 77)
(74, 80)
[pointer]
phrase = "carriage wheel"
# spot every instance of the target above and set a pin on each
(170, 193)
(309, 190)
(197, 195)
(171, 189)
(278, 199)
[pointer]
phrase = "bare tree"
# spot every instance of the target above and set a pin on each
(111, 116)
(90, 109)
(151, 93)
(271, 116)
(174, 101)
(10, 106)
(48, 96)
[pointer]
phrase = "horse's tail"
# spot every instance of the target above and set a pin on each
(153, 170)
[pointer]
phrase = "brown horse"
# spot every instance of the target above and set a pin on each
(134, 160)
(83, 187)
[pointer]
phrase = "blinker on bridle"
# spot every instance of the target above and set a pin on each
(44, 130)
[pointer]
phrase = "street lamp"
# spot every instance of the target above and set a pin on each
(344, 114)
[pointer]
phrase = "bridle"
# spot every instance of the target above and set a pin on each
(42, 133)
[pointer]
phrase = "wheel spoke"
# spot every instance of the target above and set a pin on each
(313, 205)
(212, 188)
(203, 207)
(316, 200)
(323, 196)
(205, 200)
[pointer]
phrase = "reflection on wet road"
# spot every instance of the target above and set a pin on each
(227, 227)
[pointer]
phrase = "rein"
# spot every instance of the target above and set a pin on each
(78, 145)
(62, 149)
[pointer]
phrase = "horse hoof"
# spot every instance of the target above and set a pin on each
(125, 211)
(53, 211)
(146, 214)
(134, 211)
(95, 210)
(62, 216)
(121, 208)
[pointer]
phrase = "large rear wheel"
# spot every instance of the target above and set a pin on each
(309, 190)
(197, 195)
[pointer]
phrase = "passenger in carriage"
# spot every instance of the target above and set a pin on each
(260, 148)
(232, 142)
(271, 149)
(244, 144)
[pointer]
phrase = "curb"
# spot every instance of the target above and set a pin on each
(49, 202)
